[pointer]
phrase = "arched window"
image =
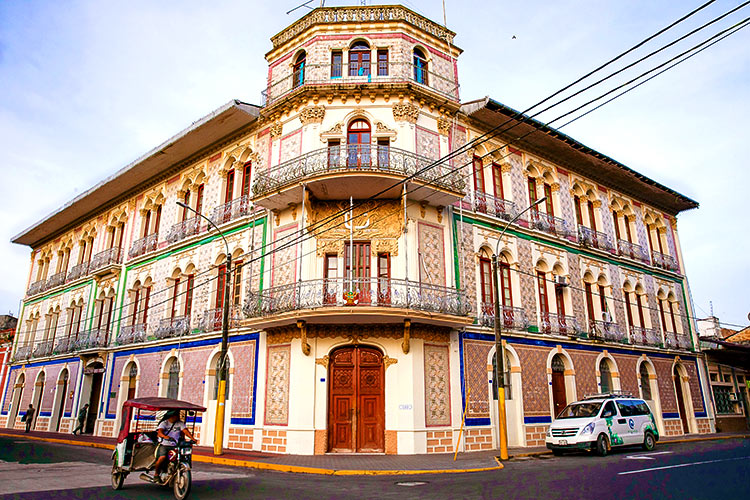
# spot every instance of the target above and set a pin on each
(298, 73)
(559, 391)
(605, 376)
(215, 392)
(420, 67)
(358, 140)
(132, 376)
(506, 376)
(173, 383)
(643, 375)
(359, 59)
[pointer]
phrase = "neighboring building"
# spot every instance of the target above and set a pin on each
(367, 333)
(727, 354)
(8, 326)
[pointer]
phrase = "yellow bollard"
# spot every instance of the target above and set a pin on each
(463, 419)
(219, 427)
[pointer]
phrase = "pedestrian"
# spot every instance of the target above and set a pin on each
(82, 414)
(29, 417)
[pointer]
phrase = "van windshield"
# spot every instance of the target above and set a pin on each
(580, 410)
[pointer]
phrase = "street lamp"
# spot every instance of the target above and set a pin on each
(220, 371)
(499, 354)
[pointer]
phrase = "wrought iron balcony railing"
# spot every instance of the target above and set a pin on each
(664, 261)
(212, 319)
(358, 158)
(144, 245)
(514, 318)
(106, 258)
(22, 353)
(43, 349)
(56, 279)
(677, 341)
(184, 229)
(550, 224)
(37, 287)
(497, 207)
(606, 330)
(595, 239)
(78, 271)
(359, 292)
(558, 324)
(645, 336)
(631, 250)
(63, 346)
(232, 210)
(173, 327)
(132, 334)
(91, 339)
(316, 75)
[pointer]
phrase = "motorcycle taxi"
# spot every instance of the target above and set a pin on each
(137, 444)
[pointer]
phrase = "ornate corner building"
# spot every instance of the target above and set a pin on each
(361, 291)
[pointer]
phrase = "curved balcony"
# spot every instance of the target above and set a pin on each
(352, 75)
(606, 330)
(595, 239)
(78, 271)
(559, 324)
(37, 287)
(632, 251)
(336, 173)
(664, 261)
(104, 261)
(173, 327)
(184, 229)
(213, 319)
(132, 334)
(91, 339)
(514, 318)
(56, 279)
(550, 224)
(144, 245)
(373, 300)
(645, 336)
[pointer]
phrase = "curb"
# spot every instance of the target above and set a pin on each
(297, 469)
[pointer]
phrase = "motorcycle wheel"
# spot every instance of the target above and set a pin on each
(183, 481)
(117, 479)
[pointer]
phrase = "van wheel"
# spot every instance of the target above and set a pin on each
(649, 443)
(602, 445)
(557, 453)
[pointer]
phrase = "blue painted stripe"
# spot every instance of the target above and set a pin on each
(477, 421)
(67, 414)
(537, 420)
(700, 414)
(242, 421)
(670, 415)
(45, 413)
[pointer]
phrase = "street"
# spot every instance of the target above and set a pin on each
(696, 470)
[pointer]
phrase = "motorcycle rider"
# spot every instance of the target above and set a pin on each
(170, 430)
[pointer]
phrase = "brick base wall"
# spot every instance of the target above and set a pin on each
(440, 441)
(673, 427)
(535, 435)
(391, 442)
(478, 439)
(3, 421)
(321, 441)
(240, 438)
(704, 426)
(42, 424)
(273, 441)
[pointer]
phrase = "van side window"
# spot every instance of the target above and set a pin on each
(626, 410)
(641, 408)
(609, 410)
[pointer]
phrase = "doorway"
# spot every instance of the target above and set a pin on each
(59, 404)
(356, 409)
(94, 375)
(37, 399)
(358, 144)
(680, 400)
(16, 401)
(559, 397)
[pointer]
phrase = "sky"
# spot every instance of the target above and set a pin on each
(88, 86)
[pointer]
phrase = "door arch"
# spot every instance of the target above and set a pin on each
(682, 394)
(513, 397)
(16, 401)
(358, 138)
(38, 397)
(93, 377)
(356, 403)
(58, 408)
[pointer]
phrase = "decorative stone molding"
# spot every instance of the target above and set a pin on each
(388, 361)
(312, 114)
(422, 208)
(597, 203)
(439, 210)
(329, 246)
(382, 130)
(275, 130)
(322, 361)
(429, 333)
(333, 133)
(405, 111)
(444, 126)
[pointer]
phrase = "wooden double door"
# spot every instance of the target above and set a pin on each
(356, 405)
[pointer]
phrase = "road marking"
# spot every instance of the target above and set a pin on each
(681, 465)
(648, 456)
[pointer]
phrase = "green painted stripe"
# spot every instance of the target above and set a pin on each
(120, 301)
(59, 292)
(91, 303)
(263, 260)
(456, 263)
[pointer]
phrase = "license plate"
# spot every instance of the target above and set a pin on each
(563, 442)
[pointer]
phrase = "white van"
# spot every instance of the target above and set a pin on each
(601, 421)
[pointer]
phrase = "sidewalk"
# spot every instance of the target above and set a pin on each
(336, 464)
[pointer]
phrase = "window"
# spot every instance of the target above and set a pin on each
(132, 379)
(384, 152)
(229, 191)
(189, 294)
(221, 284)
(485, 279)
(382, 62)
(358, 143)
(173, 381)
(639, 303)
(337, 60)
(359, 59)
(175, 297)
(592, 215)
(420, 67)
(506, 295)
(146, 299)
(532, 191)
(157, 223)
(186, 201)
(215, 394)
(548, 201)
(384, 278)
(603, 304)
(590, 305)
(577, 205)
(506, 378)
(672, 316)
(543, 303)
(246, 175)
(360, 272)
(334, 148)
(330, 272)
(661, 315)
(560, 300)
(298, 71)
(616, 220)
(497, 178)
(481, 200)
(146, 223)
(609, 410)
(199, 199)
(723, 397)
(645, 382)
(628, 309)
(605, 376)
(237, 286)
(136, 304)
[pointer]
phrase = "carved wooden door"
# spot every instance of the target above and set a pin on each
(681, 402)
(356, 413)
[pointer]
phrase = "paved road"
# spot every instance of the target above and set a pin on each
(702, 470)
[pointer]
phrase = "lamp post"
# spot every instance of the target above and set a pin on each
(220, 371)
(499, 354)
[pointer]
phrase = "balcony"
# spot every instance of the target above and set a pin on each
(559, 324)
(496, 207)
(606, 330)
(78, 271)
(336, 173)
(645, 336)
(106, 259)
(43, 349)
(132, 334)
(144, 245)
(22, 353)
(235, 209)
(184, 229)
(678, 341)
(173, 327)
(37, 287)
(595, 239)
(56, 280)
(91, 339)
(664, 261)
(632, 251)
(514, 318)
(64, 346)
(364, 299)
(212, 319)
(550, 225)
(346, 75)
